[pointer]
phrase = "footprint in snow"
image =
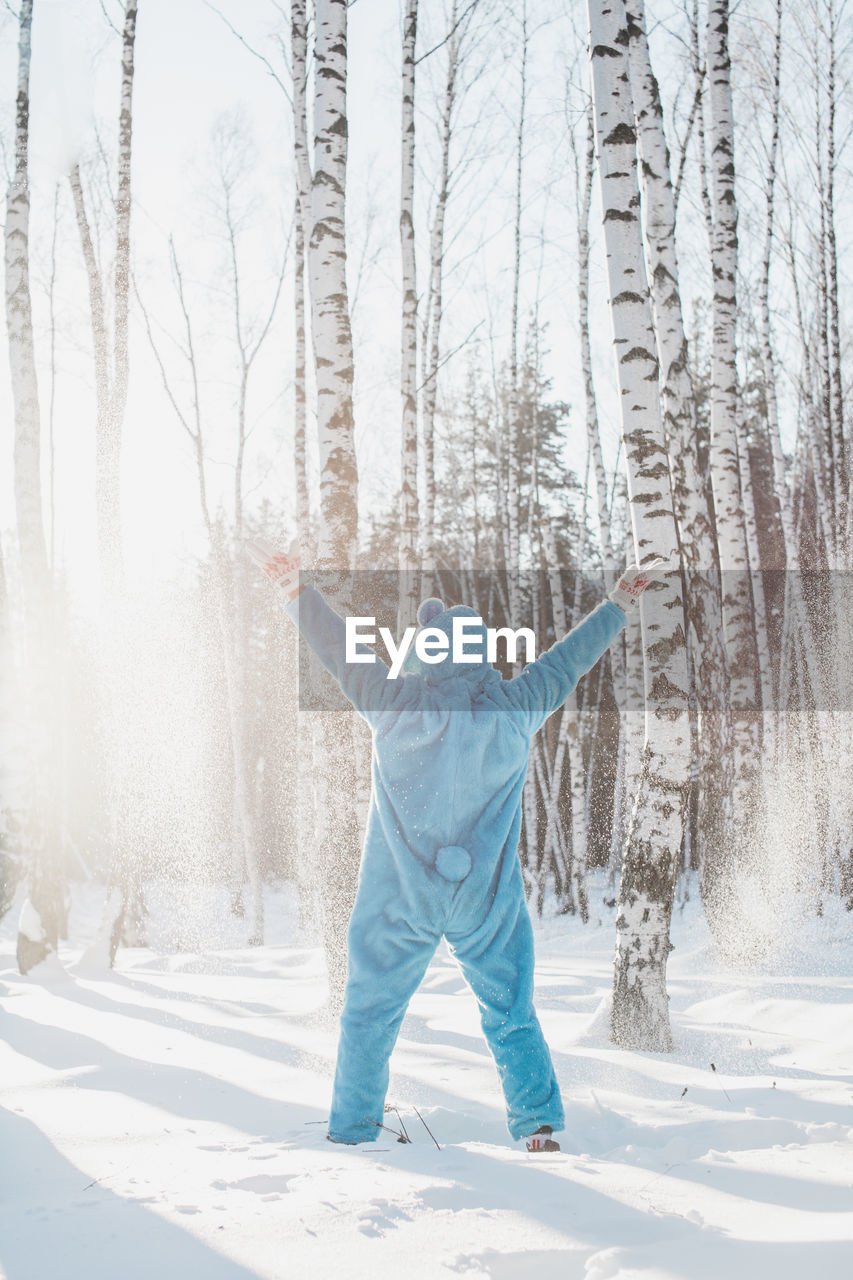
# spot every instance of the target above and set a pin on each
(380, 1216)
(455, 1198)
(267, 1185)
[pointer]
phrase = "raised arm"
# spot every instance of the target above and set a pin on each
(545, 684)
(365, 684)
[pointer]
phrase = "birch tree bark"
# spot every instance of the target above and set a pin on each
(768, 363)
(302, 222)
(300, 409)
(695, 527)
(431, 324)
(407, 560)
(569, 748)
(22, 366)
(590, 405)
(725, 463)
(836, 390)
(338, 854)
(111, 371)
(109, 450)
(41, 915)
(826, 475)
(330, 321)
(640, 1013)
(512, 424)
(111, 357)
(307, 819)
(762, 639)
(618, 649)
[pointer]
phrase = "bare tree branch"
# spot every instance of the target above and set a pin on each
(450, 354)
(160, 362)
(256, 53)
(457, 24)
(108, 19)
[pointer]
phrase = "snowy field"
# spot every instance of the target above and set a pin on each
(167, 1120)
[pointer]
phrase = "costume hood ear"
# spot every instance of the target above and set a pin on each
(428, 610)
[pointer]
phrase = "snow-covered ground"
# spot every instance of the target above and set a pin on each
(166, 1120)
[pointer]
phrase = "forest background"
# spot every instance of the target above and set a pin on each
(151, 718)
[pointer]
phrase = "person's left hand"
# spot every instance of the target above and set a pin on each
(281, 567)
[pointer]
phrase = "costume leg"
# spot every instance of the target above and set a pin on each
(387, 960)
(497, 961)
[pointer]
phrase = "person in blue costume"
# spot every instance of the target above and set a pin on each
(450, 749)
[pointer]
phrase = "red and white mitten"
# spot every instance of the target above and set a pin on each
(281, 567)
(633, 583)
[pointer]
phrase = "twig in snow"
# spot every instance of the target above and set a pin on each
(402, 1126)
(426, 1126)
(713, 1068)
(96, 1182)
(397, 1135)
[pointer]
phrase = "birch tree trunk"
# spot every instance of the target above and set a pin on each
(695, 528)
(739, 631)
(640, 1013)
(512, 424)
(22, 366)
(299, 77)
(836, 390)
(308, 735)
(111, 357)
(42, 913)
(111, 372)
(568, 747)
(590, 406)
(330, 321)
(828, 450)
(338, 856)
(100, 335)
(108, 474)
(768, 363)
(407, 560)
(781, 485)
(431, 327)
(762, 639)
(300, 413)
(617, 650)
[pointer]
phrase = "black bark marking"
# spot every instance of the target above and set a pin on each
(639, 353)
(622, 135)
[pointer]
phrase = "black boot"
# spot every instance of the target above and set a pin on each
(541, 1140)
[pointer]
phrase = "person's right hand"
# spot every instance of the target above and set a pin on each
(281, 567)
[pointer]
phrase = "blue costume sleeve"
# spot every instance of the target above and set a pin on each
(545, 684)
(366, 684)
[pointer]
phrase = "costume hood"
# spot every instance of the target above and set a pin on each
(433, 614)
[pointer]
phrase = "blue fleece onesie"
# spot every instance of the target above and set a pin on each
(450, 752)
